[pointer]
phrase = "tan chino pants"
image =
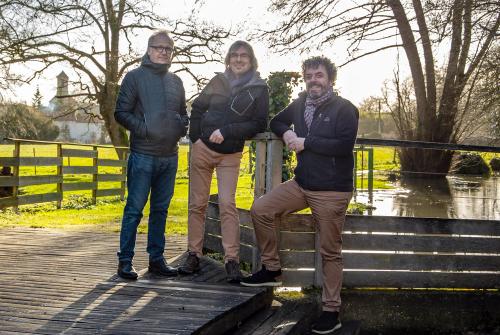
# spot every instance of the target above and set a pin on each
(227, 166)
(328, 210)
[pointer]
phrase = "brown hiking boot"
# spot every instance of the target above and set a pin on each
(191, 264)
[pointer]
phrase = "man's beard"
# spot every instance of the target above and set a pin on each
(316, 94)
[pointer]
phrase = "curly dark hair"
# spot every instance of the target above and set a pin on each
(316, 61)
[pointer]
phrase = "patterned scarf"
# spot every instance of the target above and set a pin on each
(313, 104)
(237, 83)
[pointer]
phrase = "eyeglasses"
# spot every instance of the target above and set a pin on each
(237, 55)
(162, 49)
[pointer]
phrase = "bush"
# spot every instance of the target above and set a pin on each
(21, 121)
(495, 164)
(471, 164)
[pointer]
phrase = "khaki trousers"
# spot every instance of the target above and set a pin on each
(328, 210)
(227, 166)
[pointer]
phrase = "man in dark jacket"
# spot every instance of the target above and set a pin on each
(152, 106)
(323, 137)
(232, 108)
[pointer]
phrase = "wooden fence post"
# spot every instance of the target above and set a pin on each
(260, 168)
(15, 173)
(274, 163)
(60, 174)
(94, 175)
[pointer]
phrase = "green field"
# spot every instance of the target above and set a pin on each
(78, 211)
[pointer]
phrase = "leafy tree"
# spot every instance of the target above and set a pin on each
(37, 99)
(21, 121)
(97, 39)
(466, 28)
(281, 85)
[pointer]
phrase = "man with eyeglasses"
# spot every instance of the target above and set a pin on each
(152, 106)
(232, 108)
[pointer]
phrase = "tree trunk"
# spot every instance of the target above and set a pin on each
(117, 134)
(425, 163)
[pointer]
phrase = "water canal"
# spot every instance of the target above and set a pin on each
(464, 197)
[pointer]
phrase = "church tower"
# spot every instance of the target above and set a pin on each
(62, 84)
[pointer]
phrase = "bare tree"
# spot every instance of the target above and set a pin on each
(97, 39)
(466, 28)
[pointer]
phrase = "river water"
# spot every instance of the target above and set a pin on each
(463, 197)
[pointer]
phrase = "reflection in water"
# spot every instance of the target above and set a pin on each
(454, 197)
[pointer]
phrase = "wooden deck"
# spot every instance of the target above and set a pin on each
(54, 282)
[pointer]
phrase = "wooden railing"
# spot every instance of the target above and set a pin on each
(380, 251)
(61, 161)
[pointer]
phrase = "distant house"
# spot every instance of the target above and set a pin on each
(77, 121)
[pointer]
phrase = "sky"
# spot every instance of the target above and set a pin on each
(356, 81)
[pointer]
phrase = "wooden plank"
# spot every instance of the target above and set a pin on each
(297, 222)
(213, 212)
(260, 169)
(59, 173)
(111, 162)
(421, 262)
(360, 223)
(213, 243)
(111, 177)
(38, 198)
(245, 218)
(419, 243)
(212, 226)
(413, 262)
(246, 252)
(9, 181)
(274, 164)
(297, 240)
(15, 172)
(426, 145)
(9, 161)
(397, 279)
(40, 161)
(8, 202)
(79, 186)
(79, 153)
(94, 176)
(79, 169)
(411, 279)
(39, 180)
(297, 259)
(108, 192)
(293, 277)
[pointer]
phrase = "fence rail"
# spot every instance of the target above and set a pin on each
(64, 153)
(268, 166)
(394, 252)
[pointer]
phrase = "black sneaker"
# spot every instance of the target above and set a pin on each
(327, 323)
(191, 264)
(161, 268)
(233, 271)
(264, 277)
(126, 270)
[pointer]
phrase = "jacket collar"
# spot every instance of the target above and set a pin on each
(155, 68)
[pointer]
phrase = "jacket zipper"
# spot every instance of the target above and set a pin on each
(146, 125)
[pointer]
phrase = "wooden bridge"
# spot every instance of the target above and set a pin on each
(54, 282)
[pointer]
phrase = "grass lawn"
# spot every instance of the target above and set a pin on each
(79, 213)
